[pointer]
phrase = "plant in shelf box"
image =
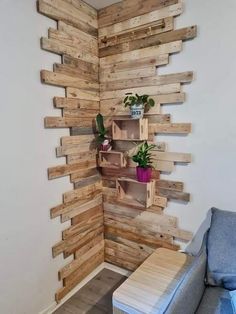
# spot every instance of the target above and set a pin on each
(143, 158)
(138, 104)
(103, 141)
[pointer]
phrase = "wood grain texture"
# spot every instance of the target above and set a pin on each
(75, 13)
(141, 20)
(125, 10)
(159, 39)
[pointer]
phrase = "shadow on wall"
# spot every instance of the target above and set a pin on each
(195, 245)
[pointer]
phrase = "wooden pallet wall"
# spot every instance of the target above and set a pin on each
(75, 39)
(103, 55)
(135, 38)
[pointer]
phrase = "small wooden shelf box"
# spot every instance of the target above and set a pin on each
(127, 129)
(112, 159)
(135, 193)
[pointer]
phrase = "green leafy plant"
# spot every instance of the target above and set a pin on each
(132, 100)
(102, 131)
(144, 157)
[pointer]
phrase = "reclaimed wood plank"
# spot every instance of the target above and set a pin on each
(83, 193)
(153, 51)
(62, 122)
(152, 40)
(157, 27)
(184, 77)
(85, 270)
(64, 80)
(107, 76)
(149, 90)
(139, 21)
(176, 128)
(75, 103)
(82, 94)
(125, 10)
(64, 170)
(65, 10)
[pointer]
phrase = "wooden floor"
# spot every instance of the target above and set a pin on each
(95, 297)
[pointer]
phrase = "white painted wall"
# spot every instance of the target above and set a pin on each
(28, 273)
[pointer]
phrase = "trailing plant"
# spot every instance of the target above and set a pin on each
(102, 131)
(135, 99)
(144, 157)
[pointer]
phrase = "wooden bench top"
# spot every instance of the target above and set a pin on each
(145, 288)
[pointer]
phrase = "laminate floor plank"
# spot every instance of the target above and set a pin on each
(95, 297)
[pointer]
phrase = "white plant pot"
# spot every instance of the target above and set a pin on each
(137, 111)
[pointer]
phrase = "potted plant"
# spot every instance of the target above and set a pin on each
(144, 159)
(137, 104)
(103, 141)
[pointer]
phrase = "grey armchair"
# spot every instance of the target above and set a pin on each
(205, 288)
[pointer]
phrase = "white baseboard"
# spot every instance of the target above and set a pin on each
(54, 306)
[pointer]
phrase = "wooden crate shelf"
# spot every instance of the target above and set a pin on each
(127, 129)
(112, 159)
(135, 193)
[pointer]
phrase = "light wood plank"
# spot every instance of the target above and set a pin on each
(125, 10)
(184, 77)
(82, 94)
(149, 90)
(177, 128)
(67, 11)
(62, 122)
(154, 51)
(152, 40)
(141, 20)
(64, 80)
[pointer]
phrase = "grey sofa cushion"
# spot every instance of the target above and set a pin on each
(221, 250)
(215, 301)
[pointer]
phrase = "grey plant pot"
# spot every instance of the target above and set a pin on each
(137, 111)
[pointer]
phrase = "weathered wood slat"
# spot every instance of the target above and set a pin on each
(75, 149)
(150, 90)
(173, 195)
(87, 219)
(63, 170)
(83, 193)
(85, 40)
(157, 27)
(153, 51)
(74, 158)
(58, 47)
(85, 269)
(72, 39)
(141, 20)
(87, 181)
(83, 174)
(61, 122)
(159, 39)
(82, 94)
(115, 106)
(75, 72)
(75, 205)
(67, 11)
(107, 76)
(176, 157)
(137, 237)
(141, 63)
(184, 77)
(75, 103)
(72, 244)
(177, 128)
(75, 264)
(64, 80)
(77, 64)
(170, 185)
(77, 113)
(125, 10)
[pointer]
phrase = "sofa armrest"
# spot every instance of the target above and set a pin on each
(189, 293)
